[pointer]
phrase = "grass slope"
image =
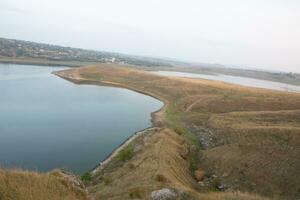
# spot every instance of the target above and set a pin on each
(25, 185)
(250, 137)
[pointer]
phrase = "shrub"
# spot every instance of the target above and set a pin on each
(160, 178)
(179, 131)
(125, 154)
(86, 176)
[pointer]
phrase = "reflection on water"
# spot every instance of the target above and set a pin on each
(47, 122)
(251, 82)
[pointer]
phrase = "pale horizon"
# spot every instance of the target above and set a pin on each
(261, 35)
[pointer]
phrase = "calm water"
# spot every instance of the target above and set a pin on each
(47, 122)
(251, 82)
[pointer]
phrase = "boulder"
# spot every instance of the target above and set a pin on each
(168, 194)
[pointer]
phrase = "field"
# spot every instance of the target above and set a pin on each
(243, 139)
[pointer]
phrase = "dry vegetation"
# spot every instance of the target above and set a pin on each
(250, 138)
(156, 163)
(24, 185)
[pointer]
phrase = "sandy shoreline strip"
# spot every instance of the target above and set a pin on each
(115, 152)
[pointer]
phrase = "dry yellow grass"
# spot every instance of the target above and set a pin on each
(230, 196)
(255, 132)
(25, 185)
(158, 164)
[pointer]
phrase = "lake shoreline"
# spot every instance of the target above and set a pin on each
(156, 116)
(58, 106)
(103, 163)
(197, 113)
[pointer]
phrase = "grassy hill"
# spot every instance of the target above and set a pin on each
(239, 138)
(25, 185)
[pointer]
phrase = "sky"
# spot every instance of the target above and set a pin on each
(249, 33)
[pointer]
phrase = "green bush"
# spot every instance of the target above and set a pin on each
(86, 176)
(179, 131)
(125, 154)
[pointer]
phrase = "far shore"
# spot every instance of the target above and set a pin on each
(43, 62)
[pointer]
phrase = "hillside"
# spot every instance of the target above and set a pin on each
(25, 185)
(239, 138)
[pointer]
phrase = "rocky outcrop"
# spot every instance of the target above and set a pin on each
(168, 194)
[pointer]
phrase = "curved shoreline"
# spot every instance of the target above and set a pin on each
(116, 150)
(156, 116)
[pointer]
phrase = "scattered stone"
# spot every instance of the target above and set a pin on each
(168, 194)
(205, 136)
(221, 187)
(225, 174)
(201, 183)
(214, 176)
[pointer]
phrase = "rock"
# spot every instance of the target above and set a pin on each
(221, 187)
(168, 194)
(225, 174)
(201, 183)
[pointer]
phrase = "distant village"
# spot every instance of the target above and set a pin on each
(19, 48)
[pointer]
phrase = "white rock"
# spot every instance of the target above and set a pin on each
(165, 194)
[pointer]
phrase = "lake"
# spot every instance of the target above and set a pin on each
(244, 81)
(47, 122)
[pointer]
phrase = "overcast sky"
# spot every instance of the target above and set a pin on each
(254, 33)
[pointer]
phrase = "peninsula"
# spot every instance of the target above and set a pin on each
(210, 136)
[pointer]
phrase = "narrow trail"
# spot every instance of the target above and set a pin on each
(189, 108)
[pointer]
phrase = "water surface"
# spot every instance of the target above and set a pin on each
(47, 122)
(244, 81)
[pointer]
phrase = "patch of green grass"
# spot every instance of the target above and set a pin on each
(193, 156)
(193, 163)
(125, 154)
(172, 116)
(86, 176)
